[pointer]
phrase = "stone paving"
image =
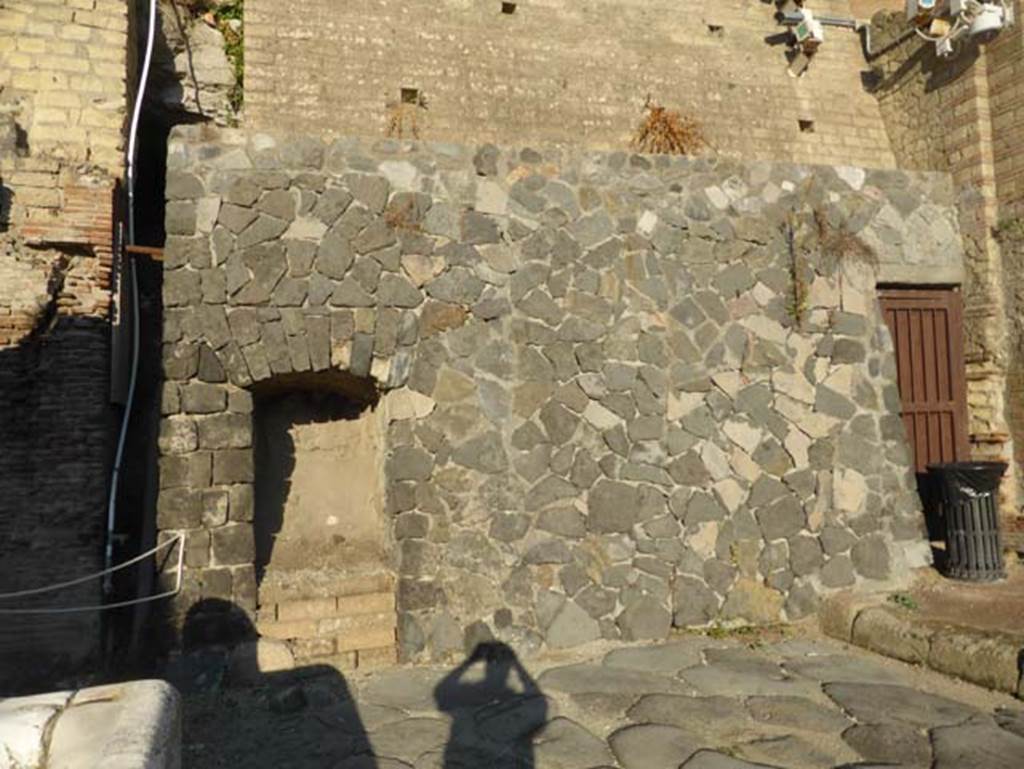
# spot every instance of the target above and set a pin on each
(694, 702)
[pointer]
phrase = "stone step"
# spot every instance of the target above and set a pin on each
(346, 633)
(330, 606)
(346, 662)
(285, 587)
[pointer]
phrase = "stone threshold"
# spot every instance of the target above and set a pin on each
(134, 725)
(986, 658)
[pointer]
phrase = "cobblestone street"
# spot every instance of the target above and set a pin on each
(696, 702)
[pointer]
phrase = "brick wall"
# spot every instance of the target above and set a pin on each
(63, 95)
(1006, 84)
(559, 72)
(65, 60)
(1006, 108)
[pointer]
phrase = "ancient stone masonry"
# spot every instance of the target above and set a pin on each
(616, 397)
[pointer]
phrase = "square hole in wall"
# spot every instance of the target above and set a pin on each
(410, 96)
(508, 8)
(806, 126)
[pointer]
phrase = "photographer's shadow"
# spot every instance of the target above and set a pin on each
(495, 711)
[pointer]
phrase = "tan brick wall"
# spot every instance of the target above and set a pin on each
(66, 62)
(865, 9)
(1006, 84)
(559, 71)
(63, 82)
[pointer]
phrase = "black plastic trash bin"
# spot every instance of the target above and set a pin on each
(969, 491)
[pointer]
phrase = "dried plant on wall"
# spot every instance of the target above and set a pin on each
(839, 245)
(403, 117)
(665, 131)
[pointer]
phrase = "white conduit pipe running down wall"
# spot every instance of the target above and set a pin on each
(115, 476)
(133, 150)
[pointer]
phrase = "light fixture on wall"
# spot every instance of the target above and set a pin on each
(806, 34)
(948, 22)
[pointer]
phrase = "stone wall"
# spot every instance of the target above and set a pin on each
(962, 115)
(63, 70)
(615, 398)
(558, 71)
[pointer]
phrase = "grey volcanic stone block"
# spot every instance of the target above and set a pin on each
(883, 703)
(890, 744)
(612, 507)
(653, 746)
(978, 744)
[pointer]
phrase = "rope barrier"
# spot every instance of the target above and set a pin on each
(177, 539)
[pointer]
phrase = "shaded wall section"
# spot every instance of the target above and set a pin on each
(963, 115)
(617, 394)
(558, 71)
(54, 461)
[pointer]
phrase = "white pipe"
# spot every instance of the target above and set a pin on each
(133, 134)
(136, 115)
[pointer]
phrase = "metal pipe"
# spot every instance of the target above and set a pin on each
(115, 475)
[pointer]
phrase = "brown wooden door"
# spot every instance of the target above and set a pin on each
(927, 332)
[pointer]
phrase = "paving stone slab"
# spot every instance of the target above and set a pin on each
(356, 718)
(1011, 720)
(372, 762)
(409, 739)
(797, 713)
(885, 703)
(411, 690)
(564, 744)
(667, 658)
(591, 678)
(891, 743)
(653, 746)
(611, 707)
(841, 668)
(977, 746)
(710, 759)
(716, 720)
(739, 678)
(514, 719)
(790, 751)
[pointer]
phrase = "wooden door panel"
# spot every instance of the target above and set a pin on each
(927, 332)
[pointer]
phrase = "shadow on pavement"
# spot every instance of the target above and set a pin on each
(493, 716)
(238, 713)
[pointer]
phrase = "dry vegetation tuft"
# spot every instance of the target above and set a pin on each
(403, 118)
(839, 244)
(665, 131)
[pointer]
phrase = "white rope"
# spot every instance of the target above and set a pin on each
(177, 539)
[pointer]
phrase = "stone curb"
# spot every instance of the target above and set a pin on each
(992, 660)
(135, 725)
